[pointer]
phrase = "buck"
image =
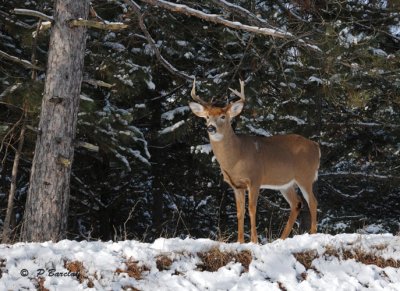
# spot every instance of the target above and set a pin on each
(251, 163)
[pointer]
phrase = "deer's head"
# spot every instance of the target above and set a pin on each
(218, 119)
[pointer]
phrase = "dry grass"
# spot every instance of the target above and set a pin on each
(353, 253)
(78, 268)
(306, 258)
(370, 259)
(40, 282)
(133, 269)
(281, 286)
(2, 266)
(215, 259)
(163, 263)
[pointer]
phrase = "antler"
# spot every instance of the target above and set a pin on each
(241, 94)
(196, 97)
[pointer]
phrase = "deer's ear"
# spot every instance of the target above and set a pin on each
(235, 108)
(198, 109)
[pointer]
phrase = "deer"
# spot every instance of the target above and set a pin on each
(250, 163)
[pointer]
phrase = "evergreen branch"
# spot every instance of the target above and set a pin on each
(150, 40)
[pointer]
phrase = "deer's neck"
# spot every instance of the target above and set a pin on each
(227, 150)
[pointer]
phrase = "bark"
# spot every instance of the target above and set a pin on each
(46, 208)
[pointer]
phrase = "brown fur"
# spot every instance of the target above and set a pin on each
(249, 162)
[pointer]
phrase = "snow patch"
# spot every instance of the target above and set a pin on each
(171, 128)
(170, 115)
(201, 149)
(274, 266)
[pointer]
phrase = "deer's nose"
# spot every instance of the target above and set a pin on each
(211, 129)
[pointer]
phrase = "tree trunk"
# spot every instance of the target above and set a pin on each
(46, 208)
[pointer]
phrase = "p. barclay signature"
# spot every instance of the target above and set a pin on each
(48, 272)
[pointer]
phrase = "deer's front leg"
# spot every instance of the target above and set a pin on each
(240, 201)
(253, 197)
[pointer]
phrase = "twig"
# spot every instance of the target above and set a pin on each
(130, 217)
(34, 46)
(241, 60)
(9, 133)
(13, 187)
(22, 62)
(93, 13)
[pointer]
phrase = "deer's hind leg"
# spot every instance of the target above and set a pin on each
(306, 189)
(295, 205)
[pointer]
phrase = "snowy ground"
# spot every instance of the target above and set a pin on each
(306, 262)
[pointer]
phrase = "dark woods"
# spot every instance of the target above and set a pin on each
(142, 167)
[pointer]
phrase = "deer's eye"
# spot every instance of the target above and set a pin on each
(223, 117)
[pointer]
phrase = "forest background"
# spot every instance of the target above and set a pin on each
(143, 167)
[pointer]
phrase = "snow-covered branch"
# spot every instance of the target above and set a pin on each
(360, 175)
(242, 12)
(105, 25)
(215, 18)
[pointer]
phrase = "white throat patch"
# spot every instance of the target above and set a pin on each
(216, 136)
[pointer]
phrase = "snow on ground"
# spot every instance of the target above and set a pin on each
(306, 262)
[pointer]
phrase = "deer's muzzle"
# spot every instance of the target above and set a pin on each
(211, 129)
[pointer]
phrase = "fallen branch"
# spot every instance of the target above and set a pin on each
(98, 24)
(150, 40)
(215, 18)
(33, 13)
(25, 63)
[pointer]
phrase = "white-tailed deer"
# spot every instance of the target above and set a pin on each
(255, 162)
